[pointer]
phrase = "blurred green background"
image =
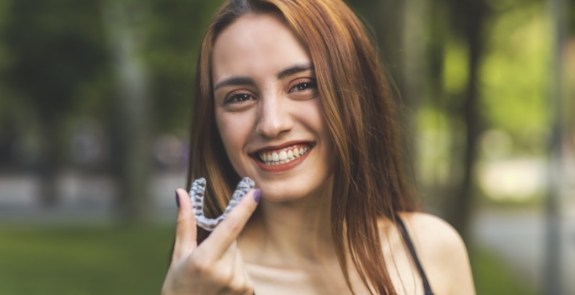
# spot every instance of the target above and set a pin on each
(95, 99)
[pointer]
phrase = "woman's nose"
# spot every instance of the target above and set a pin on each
(273, 118)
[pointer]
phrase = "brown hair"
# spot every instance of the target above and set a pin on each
(359, 110)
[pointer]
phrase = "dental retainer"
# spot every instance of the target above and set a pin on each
(197, 196)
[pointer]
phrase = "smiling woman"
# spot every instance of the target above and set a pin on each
(290, 94)
(267, 106)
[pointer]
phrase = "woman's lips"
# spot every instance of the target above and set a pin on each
(282, 159)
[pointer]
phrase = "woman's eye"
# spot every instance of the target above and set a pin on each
(304, 86)
(239, 98)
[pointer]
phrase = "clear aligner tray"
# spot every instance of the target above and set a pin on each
(197, 196)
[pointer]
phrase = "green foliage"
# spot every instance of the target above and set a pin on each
(174, 34)
(455, 68)
(53, 47)
(3, 18)
(434, 147)
(57, 67)
(571, 17)
(514, 75)
(55, 58)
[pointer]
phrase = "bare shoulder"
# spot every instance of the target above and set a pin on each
(436, 234)
(441, 252)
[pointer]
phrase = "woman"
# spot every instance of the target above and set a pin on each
(290, 94)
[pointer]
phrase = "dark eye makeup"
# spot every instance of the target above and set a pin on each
(304, 85)
(238, 97)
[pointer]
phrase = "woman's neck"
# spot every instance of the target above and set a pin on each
(288, 232)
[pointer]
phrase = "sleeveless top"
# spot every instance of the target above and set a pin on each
(407, 239)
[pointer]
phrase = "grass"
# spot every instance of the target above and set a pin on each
(83, 261)
(493, 277)
(104, 260)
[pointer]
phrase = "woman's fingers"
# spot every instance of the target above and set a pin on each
(186, 232)
(228, 230)
(216, 265)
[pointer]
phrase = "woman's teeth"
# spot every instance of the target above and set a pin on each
(282, 157)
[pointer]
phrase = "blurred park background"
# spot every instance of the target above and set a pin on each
(94, 118)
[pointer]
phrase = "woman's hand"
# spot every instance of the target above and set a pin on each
(216, 266)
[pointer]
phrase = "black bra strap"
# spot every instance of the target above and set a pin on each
(407, 239)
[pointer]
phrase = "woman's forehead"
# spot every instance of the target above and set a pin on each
(256, 46)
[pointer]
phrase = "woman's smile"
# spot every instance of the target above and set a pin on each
(282, 158)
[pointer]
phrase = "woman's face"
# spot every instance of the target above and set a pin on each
(268, 111)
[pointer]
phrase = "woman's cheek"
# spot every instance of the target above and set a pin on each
(234, 129)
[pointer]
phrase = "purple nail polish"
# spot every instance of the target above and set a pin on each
(177, 200)
(257, 195)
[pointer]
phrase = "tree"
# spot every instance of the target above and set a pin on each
(468, 21)
(54, 46)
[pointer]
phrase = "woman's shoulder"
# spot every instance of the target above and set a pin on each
(441, 251)
(433, 232)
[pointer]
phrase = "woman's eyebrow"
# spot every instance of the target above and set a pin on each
(235, 81)
(249, 81)
(294, 70)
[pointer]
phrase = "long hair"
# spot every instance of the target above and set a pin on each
(360, 114)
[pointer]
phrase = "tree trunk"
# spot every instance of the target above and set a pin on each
(414, 73)
(553, 274)
(459, 208)
(131, 134)
(49, 163)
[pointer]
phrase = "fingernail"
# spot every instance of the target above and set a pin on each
(257, 195)
(177, 199)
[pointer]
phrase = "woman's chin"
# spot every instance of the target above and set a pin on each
(293, 191)
(278, 195)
